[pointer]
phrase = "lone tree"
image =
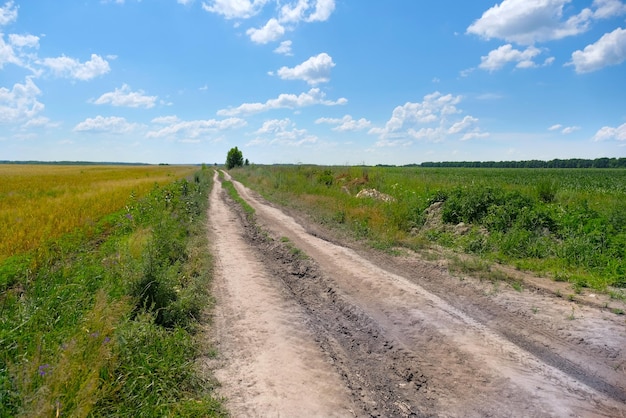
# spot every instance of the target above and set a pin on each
(234, 158)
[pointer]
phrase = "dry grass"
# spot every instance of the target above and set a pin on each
(42, 202)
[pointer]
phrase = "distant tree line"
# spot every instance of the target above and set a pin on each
(556, 163)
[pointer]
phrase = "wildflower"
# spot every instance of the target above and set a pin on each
(106, 340)
(43, 369)
(94, 334)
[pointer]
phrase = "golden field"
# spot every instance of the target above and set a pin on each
(40, 202)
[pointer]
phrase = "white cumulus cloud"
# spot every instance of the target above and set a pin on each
(234, 9)
(432, 109)
(284, 48)
(8, 13)
(307, 10)
(476, 134)
(24, 41)
(606, 9)
(610, 49)
(529, 21)
(192, 129)
(101, 124)
(284, 101)
(565, 130)
(282, 132)
(272, 31)
(72, 68)
(347, 123)
(315, 70)
(127, 98)
(462, 125)
(607, 133)
(323, 10)
(165, 120)
(7, 54)
(505, 54)
(433, 119)
(40, 121)
(570, 129)
(20, 103)
(288, 14)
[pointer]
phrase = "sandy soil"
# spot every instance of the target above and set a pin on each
(347, 331)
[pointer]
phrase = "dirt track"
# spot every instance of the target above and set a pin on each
(349, 332)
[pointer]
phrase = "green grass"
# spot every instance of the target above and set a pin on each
(295, 251)
(104, 323)
(232, 192)
(569, 224)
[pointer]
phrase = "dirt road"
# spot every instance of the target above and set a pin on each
(308, 327)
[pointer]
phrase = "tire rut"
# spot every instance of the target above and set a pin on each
(556, 352)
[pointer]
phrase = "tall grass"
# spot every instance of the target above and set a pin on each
(232, 192)
(41, 202)
(81, 330)
(570, 224)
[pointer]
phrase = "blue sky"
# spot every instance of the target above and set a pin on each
(312, 81)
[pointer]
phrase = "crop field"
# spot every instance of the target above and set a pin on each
(565, 224)
(99, 308)
(41, 202)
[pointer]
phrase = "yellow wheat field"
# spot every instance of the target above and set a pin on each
(40, 202)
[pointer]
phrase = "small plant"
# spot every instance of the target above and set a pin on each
(535, 310)
(617, 311)
(517, 286)
(571, 316)
(326, 178)
(293, 250)
(495, 289)
(546, 190)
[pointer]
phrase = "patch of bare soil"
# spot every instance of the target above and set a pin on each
(396, 335)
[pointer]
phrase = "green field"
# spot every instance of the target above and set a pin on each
(100, 319)
(565, 224)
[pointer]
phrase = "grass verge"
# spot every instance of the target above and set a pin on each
(104, 324)
(232, 192)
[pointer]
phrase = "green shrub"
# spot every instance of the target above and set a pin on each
(326, 178)
(547, 190)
